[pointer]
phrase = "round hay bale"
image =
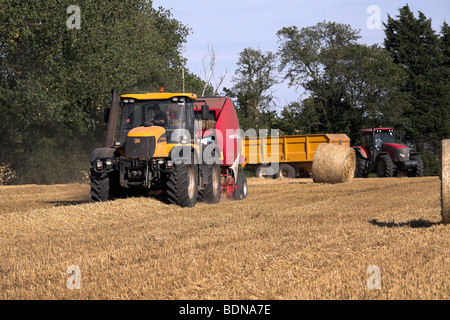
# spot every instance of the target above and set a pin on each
(445, 182)
(333, 163)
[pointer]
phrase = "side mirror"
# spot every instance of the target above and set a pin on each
(205, 112)
(106, 114)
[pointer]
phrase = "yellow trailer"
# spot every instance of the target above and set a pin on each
(285, 156)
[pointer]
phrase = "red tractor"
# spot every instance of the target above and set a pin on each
(381, 153)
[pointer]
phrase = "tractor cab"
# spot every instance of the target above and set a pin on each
(374, 139)
(171, 112)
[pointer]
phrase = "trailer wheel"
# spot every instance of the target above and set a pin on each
(285, 171)
(264, 171)
(241, 191)
(182, 186)
(417, 172)
(213, 190)
(385, 166)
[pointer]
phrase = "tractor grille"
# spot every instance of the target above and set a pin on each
(140, 147)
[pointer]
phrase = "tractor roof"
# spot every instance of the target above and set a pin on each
(376, 129)
(159, 96)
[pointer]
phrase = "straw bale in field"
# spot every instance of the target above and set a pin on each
(333, 164)
(445, 182)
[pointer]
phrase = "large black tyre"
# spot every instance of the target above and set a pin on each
(213, 190)
(385, 166)
(241, 191)
(104, 186)
(182, 185)
(360, 167)
(418, 171)
(285, 171)
(99, 186)
(264, 171)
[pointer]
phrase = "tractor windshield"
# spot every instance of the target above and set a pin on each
(384, 137)
(165, 113)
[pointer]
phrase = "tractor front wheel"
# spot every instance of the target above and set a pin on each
(360, 169)
(104, 186)
(100, 188)
(417, 171)
(385, 166)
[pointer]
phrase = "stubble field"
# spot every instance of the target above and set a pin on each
(290, 239)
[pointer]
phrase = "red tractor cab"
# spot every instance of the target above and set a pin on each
(381, 153)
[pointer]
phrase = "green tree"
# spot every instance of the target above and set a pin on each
(351, 85)
(301, 117)
(423, 56)
(252, 88)
(56, 81)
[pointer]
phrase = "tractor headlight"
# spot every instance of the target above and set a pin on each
(108, 164)
(402, 155)
(99, 165)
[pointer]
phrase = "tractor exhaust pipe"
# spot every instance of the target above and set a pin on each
(112, 120)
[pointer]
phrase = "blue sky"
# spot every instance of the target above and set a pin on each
(230, 26)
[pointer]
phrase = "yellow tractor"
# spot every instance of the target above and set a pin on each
(159, 146)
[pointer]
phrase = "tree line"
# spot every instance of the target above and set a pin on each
(56, 81)
(403, 83)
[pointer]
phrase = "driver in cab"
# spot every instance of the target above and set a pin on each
(160, 118)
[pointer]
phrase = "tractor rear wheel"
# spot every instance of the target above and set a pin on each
(241, 191)
(385, 166)
(213, 190)
(418, 171)
(285, 171)
(182, 186)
